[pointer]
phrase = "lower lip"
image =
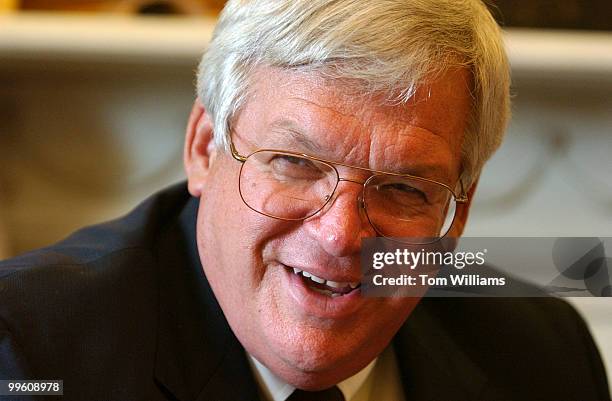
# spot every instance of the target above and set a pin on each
(321, 305)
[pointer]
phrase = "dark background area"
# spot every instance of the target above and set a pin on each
(553, 14)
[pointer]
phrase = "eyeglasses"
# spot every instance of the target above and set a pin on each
(295, 186)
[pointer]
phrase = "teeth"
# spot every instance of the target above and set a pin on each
(317, 279)
(333, 284)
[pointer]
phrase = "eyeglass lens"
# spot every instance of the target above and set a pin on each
(293, 187)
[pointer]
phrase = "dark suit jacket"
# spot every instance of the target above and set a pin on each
(122, 311)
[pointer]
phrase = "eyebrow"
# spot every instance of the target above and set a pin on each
(297, 134)
(430, 171)
(312, 148)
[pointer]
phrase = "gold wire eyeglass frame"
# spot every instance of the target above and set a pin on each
(461, 198)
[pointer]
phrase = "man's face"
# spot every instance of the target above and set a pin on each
(310, 339)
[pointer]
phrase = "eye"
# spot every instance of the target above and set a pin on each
(288, 161)
(298, 161)
(403, 191)
(400, 187)
(295, 167)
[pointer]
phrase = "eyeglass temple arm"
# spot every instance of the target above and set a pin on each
(235, 153)
(462, 198)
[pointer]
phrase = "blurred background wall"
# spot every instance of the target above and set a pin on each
(94, 98)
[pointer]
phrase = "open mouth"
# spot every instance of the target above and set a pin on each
(326, 287)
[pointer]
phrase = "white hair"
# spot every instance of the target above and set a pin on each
(387, 46)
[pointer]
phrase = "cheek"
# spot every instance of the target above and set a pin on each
(232, 238)
(221, 188)
(221, 241)
(220, 244)
(224, 213)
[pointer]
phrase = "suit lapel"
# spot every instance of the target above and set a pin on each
(198, 357)
(432, 365)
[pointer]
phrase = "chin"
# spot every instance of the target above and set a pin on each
(312, 359)
(321, 374)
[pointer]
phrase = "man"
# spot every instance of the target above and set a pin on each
(317, 124)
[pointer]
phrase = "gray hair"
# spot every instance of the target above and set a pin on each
(389, 46)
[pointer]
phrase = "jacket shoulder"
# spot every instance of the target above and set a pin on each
(534, 347)
(88, 298)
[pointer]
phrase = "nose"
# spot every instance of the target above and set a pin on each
(339, 227)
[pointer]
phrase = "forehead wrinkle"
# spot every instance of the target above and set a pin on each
(333, 109)
(360, 128)
(337, 121)
(345, 126)
(452, 140)
(431, 136)
(411, 127)
(405, 154)
(434, 140)
(407, 119)
(296, 132)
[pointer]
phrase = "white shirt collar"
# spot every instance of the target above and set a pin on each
(276, 389)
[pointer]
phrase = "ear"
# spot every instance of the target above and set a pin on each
(461, 215)
(199, 148)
